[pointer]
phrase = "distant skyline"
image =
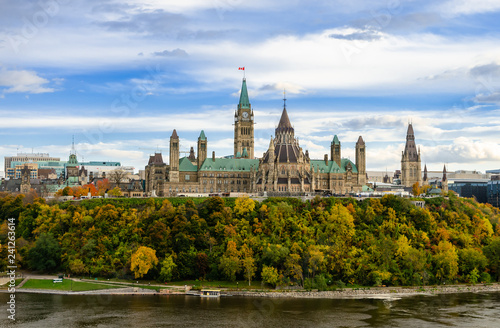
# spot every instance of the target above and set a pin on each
(121, 76)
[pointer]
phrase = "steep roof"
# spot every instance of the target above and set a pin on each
(335, 140)
(202, 135)
(410, 148)
(244, 101)
(332, 166)
(230, 164)
(360, 141)
(156, 159)
(185, 165)
(174, 135)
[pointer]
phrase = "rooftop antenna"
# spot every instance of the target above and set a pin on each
(284, 98)
(73, 146)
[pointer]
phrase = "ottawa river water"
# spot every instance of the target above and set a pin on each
(446, 310)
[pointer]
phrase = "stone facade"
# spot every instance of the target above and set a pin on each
(411, 169)
(285, 169)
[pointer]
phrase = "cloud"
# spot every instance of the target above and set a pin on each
(156, 22)
(290, 88)
(492, 98)
(359, 35)
(414, 22)
(468, 7)
(173, 53)
(463, 150)
(491, 69)
(23, 81)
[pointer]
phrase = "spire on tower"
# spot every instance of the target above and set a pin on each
(284, 99)
(244, 100)
(73, 151)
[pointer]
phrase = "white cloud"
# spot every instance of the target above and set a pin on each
(468, 7)
(23, 81)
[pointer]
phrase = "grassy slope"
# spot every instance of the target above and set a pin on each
(65, 285)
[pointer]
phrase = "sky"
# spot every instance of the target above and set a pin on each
(119, 76)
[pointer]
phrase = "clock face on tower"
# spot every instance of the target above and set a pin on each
(245, 114)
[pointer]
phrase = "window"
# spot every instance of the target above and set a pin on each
(186, 177)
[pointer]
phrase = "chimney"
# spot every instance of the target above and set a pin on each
(213, 156)
(326, 159)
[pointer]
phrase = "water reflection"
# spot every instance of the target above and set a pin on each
(457, 310)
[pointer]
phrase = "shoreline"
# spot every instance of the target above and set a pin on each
(346, 293)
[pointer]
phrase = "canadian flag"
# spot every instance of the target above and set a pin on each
(241, 68)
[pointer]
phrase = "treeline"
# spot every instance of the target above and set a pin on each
(281, 241)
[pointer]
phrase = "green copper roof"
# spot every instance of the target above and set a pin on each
(72, 160)
(366, 188)
(185, 165)
(202, 135)
(244, 101)
(335, 140)
(245, 153)
(332, 166)
(230, 164)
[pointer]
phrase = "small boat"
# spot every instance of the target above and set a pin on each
(210, 293)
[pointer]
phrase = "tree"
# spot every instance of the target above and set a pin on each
(294, 269)
(66, 191)
(118, 176)
(416, 190)
(316, 260)
(117, 192)
(230, 263)
(90, 188)
(143, 260)
(446, 260)
(77, 266)
(248, 263)
(167, 268)
(270, 275)
(103, 186)
(243, 205)
(45, 256)
(492, 252)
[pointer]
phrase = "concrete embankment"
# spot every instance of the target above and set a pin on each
(375, 292)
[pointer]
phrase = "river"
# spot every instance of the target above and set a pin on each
(447, 310)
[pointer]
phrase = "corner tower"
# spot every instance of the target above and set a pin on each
(174, 157)
(335, 151)
(243, 126)
(411, 171)
(361, 160)
(202, 148)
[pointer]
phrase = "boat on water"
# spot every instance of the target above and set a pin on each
(210, 293)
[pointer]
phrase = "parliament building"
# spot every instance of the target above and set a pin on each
(285, 168)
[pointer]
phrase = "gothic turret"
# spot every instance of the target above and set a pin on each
(411, 171)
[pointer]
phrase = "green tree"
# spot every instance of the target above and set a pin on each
(492, 252)
(230, 263)
(45, 256)
(446, 260)
(270, 275)
(167, 268)
(78, 267)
